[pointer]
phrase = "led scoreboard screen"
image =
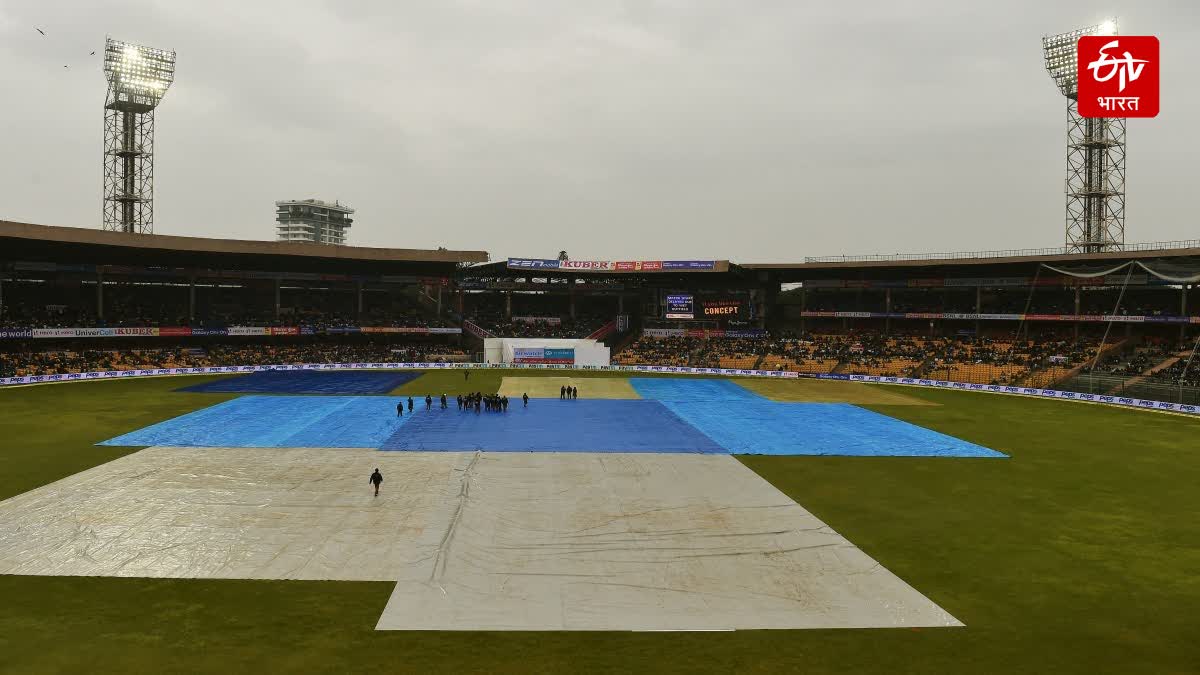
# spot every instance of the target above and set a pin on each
(680, 307)
(723, 309)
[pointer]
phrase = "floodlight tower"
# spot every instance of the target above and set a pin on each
(1095, 184)
(138, 78)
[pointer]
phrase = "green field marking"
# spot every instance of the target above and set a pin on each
(829, 391)
(48, 432)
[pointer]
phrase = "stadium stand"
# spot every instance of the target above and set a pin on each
(1036, 362)
(533, 315)
(667, 351)
(79, 359)
(542, 327)
(36, 305)
(74, 300)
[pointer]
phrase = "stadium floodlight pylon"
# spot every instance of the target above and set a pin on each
(1095, 184)
(138, 78)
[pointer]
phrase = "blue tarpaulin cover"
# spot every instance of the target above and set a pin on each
(310, 382)
(720, 418)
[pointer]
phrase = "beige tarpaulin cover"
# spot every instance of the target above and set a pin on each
(491, 541)
(549, 387)
(231, 513)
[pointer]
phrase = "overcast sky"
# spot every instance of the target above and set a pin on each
(751, 130)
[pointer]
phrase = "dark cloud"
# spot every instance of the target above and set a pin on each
(753, 131)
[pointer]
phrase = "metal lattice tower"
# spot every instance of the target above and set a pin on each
(1095, 183)
(138, 78)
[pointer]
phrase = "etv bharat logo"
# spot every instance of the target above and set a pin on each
(1130, 69)
(1118, 76)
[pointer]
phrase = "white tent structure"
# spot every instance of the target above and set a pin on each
(517, 350)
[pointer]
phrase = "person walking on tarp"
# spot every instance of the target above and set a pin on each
(400, 409)
(410, 405)
(428, 402)
(444, 406)
(525, 400)
(376, 479)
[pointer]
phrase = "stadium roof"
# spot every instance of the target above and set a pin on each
(965, 264)
(24, 241)
(41, 243)
(978, 264)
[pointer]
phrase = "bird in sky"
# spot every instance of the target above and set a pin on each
(39, 30)
(92, 54)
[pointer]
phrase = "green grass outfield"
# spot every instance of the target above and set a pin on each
(1081, 553)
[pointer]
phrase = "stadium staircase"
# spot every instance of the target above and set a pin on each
(619, 342)
(428, 302)
(603, 332)
(922, 369)
(1163, 365)
(1141, 377)
(1050, 376)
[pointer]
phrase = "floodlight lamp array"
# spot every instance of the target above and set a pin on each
(138, 70)
(1062, 55)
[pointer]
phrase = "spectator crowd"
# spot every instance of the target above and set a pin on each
(32, 361)
(963, 358)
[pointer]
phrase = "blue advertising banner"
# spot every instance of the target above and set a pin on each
(689, 264)
(528, 354)
(560, 355)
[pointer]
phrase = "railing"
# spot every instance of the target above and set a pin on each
(475, 329)
(1004, 253)
(1135, 386)
(603, 331)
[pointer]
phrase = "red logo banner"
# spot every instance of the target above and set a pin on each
(1118, 76)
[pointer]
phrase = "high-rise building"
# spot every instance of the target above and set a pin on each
(312, 220)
